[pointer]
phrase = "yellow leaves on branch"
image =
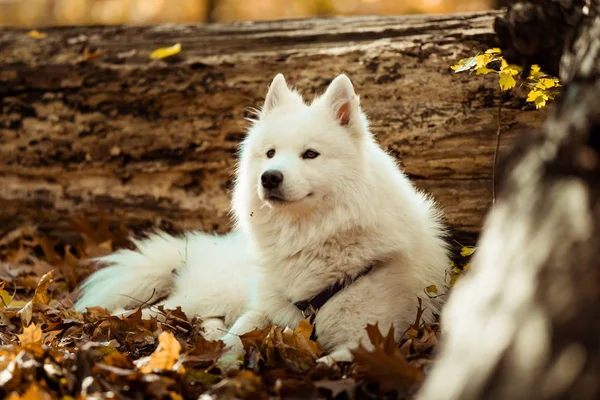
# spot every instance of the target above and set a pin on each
(506, 76)
(541, 92)
(165, 356)
(537, 97)
(542, 87)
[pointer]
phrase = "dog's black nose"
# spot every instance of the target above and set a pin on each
(271, 179)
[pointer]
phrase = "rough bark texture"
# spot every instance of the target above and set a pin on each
(524, 324)
(151, 143)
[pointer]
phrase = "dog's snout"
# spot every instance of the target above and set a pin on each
(271, 179)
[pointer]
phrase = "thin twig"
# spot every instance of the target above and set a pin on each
(498, 131)
(142, 303)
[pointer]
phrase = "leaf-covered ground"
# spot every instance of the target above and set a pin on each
(49, 351)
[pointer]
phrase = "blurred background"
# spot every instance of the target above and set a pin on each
(39, 13)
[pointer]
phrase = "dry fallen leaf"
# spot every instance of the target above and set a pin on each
(32, 334)
(165, 355)
(88, 55)
(26, 313)
(386, 364)
(37, 34)
(145, 358)
(34, 392)
(41, 292)
(337, 387)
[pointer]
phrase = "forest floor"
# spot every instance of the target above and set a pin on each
(48, 350)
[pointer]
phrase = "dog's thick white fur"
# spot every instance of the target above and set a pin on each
(342, 204)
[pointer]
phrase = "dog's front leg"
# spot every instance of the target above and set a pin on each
(252, 319)
(234, 357)
(339, 355)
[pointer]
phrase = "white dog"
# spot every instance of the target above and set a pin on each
(316, 202)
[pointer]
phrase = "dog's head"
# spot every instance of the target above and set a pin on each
(298, 156)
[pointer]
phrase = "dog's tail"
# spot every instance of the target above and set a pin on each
(134, 277)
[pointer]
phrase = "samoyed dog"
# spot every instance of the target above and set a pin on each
(326, 225)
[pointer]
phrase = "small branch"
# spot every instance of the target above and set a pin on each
(142, 303)
(498, 131)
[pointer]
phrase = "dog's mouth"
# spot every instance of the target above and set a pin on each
(275, 198)
(278, 199)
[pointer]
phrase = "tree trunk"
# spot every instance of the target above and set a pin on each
(524, 323)
(151, 143)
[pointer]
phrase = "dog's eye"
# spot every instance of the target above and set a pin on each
(271, 153)
(309, 154)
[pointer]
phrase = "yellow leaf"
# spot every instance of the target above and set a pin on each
(495, 50)
(465, 64)
(17, 303)
(507, 81)
(31, 335)
(509, 69)
(431, 289)
(165, 355)
(483, 71)
(533, 95)
(534, 72)
(546, 83)
(165, 52)
(466, 251)
(466, 267)
(5, 297)
(483, 60)
(540, 102)
(454, 278)
(537, 97)
(37, 34)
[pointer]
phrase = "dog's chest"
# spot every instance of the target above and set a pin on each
(302, 270)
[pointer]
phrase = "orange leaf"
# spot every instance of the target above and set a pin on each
(31, 335)
(165, 355)
(34, 392)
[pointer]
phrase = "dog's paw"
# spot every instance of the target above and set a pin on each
(233, 358)
(233, 344)
(327, 360)
(230, 362)
(340, 355)
(213, 329)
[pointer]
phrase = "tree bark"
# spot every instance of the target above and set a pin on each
(152, 143)
(523, 324)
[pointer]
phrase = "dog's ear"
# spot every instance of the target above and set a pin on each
(278, 92)
(342, 100)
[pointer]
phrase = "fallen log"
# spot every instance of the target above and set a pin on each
(91, 126)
